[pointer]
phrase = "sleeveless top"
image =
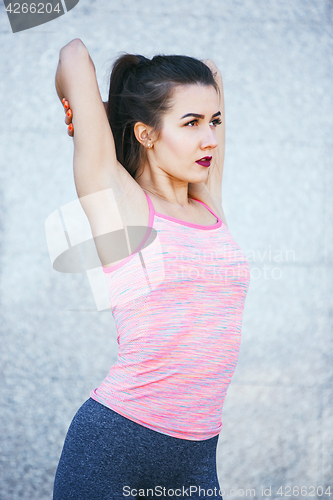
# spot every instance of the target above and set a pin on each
(177, 302)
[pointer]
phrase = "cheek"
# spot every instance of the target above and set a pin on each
(176, 143)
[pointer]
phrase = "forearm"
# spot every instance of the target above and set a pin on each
(58, 84)
(216, 73)
(211, 65)
(67, 58)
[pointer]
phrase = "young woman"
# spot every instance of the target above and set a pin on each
(154, 156)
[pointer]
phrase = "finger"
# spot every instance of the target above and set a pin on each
(66, 104)
(69, 117)
(70, 130)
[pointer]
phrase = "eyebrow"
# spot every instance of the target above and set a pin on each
(200, 116)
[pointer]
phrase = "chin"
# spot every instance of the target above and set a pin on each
(200, 178)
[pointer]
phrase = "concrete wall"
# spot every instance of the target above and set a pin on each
(276, 63)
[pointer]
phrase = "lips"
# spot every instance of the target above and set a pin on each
(205, 161)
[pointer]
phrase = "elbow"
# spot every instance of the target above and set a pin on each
(73, 49)
(74, 59)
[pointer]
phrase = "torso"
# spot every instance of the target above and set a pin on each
(136, 212)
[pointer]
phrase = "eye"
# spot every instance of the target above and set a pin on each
(216, 122)
(189, 123)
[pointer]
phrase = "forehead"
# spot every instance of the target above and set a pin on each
(194, 98)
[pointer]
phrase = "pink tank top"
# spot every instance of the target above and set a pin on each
(177, 302)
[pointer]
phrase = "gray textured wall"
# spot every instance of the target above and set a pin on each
(276, 61)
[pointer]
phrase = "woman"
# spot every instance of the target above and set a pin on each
(154, 156)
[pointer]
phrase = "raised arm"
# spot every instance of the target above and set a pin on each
(213, 184)
(96, 168)
(94, 150)
(214, 180)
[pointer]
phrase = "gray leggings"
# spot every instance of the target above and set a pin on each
(108, 457)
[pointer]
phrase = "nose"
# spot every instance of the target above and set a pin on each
(209, 140)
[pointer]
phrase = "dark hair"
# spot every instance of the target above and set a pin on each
(141, 90)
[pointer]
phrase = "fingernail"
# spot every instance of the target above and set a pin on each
(70, 127)
(68, 113)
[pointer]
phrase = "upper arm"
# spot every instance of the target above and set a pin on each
(214, 180)
(94, 149)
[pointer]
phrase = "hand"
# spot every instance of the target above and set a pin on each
(216, 74)
(212, 66)
(69, 116)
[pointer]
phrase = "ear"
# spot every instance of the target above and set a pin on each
(143, 134)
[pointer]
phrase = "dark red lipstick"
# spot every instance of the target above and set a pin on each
(205, 161)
